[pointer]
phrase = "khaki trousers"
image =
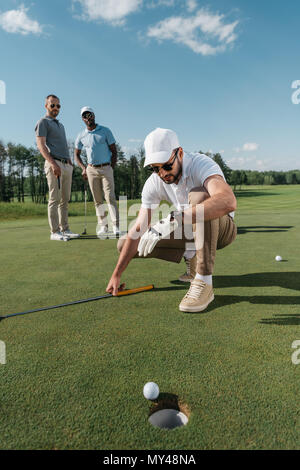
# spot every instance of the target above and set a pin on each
(59, 198)
(215, 234)
(101, 181)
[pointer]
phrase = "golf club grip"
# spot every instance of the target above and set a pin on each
(134, 291)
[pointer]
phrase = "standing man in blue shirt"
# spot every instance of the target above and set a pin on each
(100, 146)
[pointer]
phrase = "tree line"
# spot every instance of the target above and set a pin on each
(22, 175)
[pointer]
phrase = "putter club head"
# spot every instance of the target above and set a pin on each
(84, 232)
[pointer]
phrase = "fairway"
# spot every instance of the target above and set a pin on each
(74, 376)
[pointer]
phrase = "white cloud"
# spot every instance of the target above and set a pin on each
(129, 150)
(17, 21)
(191, 5)
(250, 163)
(250, 146)
(135, 140)
(247, 147)
(112, 11)
(205, 33)
(160, 3)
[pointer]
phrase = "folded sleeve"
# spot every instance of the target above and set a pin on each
(109, 137)
(78, 143)
(41, 128)
(150, 194)
(203, 167)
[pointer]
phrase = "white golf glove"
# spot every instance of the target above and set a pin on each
(162, 229)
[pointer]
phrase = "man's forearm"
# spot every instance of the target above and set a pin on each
(79, 162)
(45, 153)
(128, 251)
(212, 208)
(114, 157)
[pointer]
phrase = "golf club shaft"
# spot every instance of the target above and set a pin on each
(91, 299)
(85, 202)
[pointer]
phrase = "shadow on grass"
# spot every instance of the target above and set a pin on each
(226, 300)
(287, 280)
(163, 401)
(267, 229)
(169, 401)
(251, 193)
(282, 320)
(179, 286)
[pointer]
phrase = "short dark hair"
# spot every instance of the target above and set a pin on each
(52, 96)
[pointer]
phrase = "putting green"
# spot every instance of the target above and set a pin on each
(74, 376)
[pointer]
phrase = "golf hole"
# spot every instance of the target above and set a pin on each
(168, 413)
(168, 419)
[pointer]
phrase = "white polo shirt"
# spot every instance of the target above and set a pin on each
(196, 168)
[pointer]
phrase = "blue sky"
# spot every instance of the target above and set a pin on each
(219, 73)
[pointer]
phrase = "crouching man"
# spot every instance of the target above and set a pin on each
(205, 203)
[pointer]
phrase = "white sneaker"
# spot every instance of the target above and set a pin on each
(101, 231)
(69, 234)
(198, 297)
(116, 230)
(57, 236)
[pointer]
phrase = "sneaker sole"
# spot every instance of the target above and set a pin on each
(196, 309)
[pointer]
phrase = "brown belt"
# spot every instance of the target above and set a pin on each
(98, 166)
(63, 160)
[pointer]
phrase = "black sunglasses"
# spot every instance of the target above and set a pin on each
(55, 105)
(166, 166)
(87, 115)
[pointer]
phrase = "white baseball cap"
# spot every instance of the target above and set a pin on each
(86, 109)
(159, 145)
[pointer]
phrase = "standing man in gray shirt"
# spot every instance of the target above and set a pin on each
(52, 143)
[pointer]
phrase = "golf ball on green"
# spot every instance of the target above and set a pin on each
(151, 390)
(278, 258)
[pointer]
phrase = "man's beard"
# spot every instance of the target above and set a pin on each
(53, 114)
(174, 178)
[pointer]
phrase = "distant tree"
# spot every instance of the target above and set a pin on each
(134, 177)
(21, 156)
(291, 177)
(120, 173)
(235, 178)
(224, 167)
(143, 171)
(3, 182)
(268, 178)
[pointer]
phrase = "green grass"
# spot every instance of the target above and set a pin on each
(74, 376)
